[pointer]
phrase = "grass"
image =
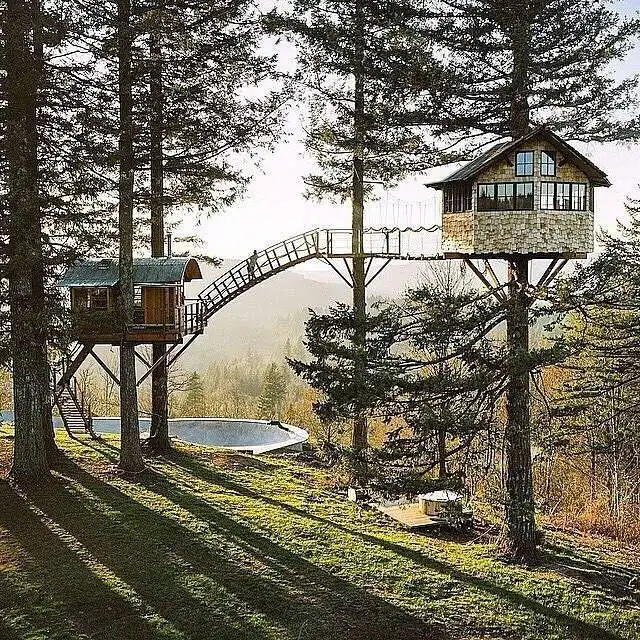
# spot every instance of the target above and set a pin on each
(223, 546)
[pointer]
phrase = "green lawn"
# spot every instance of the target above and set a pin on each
(213, 545)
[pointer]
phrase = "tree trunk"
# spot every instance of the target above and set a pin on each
(159, 433)
(519, 504)
(25, 265)
(53, 452)
(442, 453)
(359, 435)
(130, 450)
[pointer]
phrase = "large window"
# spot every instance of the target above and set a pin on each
(547, 163)
(457, 198)
(524, 163)
(563, 196)
(505, 196)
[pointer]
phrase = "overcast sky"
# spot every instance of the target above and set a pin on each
(274, 208)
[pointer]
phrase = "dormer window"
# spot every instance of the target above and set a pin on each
(524, 163)
(547, 163)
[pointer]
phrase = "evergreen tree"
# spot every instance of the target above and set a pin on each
(517, 62)
(354, 59)
(274, 393)
(194, 402)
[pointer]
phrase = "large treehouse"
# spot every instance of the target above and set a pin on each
(530, 196)
(161, 313)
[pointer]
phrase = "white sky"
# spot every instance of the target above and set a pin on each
(274, 208)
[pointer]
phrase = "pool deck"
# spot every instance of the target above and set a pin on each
(408, 515)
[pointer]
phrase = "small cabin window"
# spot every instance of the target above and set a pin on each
(504, 197)
(524, 163)
(98, 298)
(563, 196)
(524, 196)
(547, 163)
(458, 198)
(137, 296)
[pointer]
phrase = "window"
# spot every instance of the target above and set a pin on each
(457, 198)
(547, 163)
(524, 196)
(579, 197)
(563, 196)
(524, 163)
(486, 197)
(547, 195)
(98, 298)
(137, 296)
(505, 196)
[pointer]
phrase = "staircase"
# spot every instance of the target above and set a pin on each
(71, 403)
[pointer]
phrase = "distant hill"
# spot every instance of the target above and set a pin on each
(261, 320)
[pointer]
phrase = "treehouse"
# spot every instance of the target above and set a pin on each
(161, 313)
(531, 196)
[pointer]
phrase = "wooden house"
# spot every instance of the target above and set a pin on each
(532, 196)
(161, 313)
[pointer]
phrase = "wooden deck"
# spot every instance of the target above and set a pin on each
(409, 515)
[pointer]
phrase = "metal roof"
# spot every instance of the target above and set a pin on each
(149, 271)
(473, 168)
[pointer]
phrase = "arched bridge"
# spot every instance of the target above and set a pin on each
(387, 244)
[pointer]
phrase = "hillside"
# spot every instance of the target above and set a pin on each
(215, 545)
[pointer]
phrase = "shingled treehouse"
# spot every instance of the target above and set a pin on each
(531, 196)
(161, 315)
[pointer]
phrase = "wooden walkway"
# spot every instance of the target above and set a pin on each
(409, 515)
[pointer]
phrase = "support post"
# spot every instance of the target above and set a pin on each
(519, 504)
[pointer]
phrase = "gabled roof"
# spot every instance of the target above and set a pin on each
(500, 150)
(146, 271)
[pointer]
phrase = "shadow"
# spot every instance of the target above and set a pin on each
(610, 578)
(57, 588)
(581, 629)
(227, 582)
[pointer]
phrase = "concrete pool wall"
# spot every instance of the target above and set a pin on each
(253, 436)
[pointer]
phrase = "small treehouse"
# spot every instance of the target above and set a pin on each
(530, 196)
(161, 313)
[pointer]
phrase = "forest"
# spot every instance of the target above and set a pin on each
(127, 122)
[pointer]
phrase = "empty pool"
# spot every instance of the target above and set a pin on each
(253, 436)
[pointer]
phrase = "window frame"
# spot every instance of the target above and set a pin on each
(552, 153)
(533, 163)
(514, 196)
(569, 197)
(97, 293)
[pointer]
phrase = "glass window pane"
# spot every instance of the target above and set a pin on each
(486, 197)
(546, 195)
(548, 163)
(563, 199)
(524, 163)
(524, 196)
(505, 196)
(579, 197)
(98, 298)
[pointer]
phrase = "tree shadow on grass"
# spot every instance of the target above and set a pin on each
(608, 577)
(58, 591)
(232, 584)
(579, 628)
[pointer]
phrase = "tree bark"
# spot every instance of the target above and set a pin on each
(519, 504)
(359, 435)
(26, 261)
(159, 433)
(130, 449)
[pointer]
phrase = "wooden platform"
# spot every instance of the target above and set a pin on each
(409, 515)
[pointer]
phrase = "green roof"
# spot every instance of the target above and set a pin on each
(150, 271)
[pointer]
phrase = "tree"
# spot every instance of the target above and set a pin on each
(515, 63)
(130, 449)
(274, 393)
(354, 58)
(25, 268)
(193, 403)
